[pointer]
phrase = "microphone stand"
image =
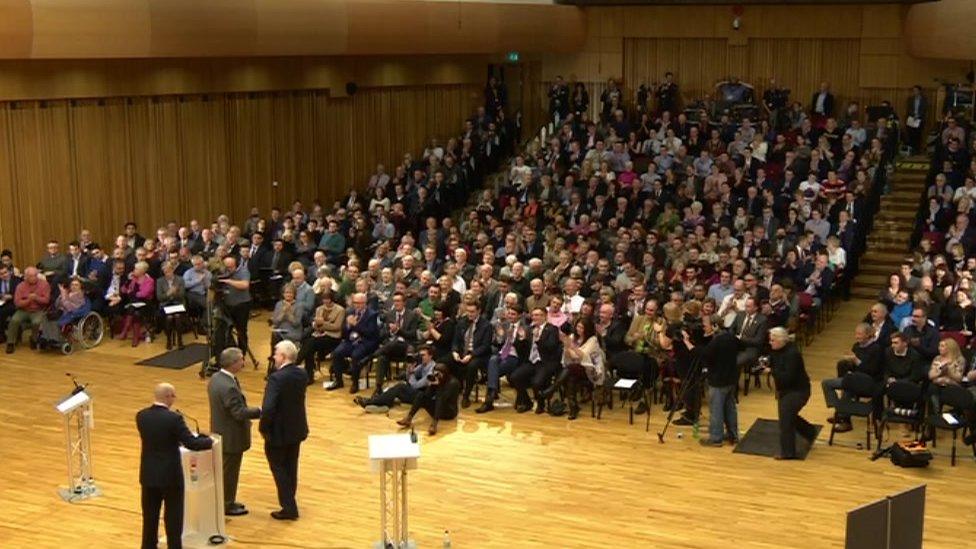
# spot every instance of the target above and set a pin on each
(196, 424)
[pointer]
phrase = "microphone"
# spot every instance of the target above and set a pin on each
(196, 424)
(78, 387)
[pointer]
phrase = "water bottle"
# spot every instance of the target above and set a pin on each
(193, 469)
(447, 540)
(694, 430)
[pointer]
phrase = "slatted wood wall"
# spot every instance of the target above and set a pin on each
(69, 164)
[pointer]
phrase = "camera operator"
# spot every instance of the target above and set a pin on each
(718, 356)
(235, 281)
(440, 398)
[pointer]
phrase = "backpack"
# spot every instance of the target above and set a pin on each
(910, 454)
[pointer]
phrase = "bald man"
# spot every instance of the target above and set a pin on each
(160, 473)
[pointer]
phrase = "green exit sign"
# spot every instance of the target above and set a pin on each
(513, 57)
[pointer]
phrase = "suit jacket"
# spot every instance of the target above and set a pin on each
(260, 259)
(828, 103)
(230, 416)
(755, 334)
(8, 306)
(549, 347)
(367, 328)
(162, 432)
(82, 261)
(923, 106)
(481, 347)
(409, 324)
(283, 420)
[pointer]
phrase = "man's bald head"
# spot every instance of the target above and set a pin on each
(165, 393)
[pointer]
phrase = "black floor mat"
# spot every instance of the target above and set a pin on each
(191, 355)
(762, 439)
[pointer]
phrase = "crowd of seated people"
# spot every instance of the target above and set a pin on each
(921, 329)
(607, 237)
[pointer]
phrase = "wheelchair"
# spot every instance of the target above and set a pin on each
(86, 333)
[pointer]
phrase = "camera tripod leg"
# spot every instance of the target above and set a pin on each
(685, 386)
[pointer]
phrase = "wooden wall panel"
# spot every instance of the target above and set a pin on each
(100, 163)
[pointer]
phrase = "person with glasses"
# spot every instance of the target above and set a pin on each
(922, 336)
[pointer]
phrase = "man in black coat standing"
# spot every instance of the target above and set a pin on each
(284, 425)
(719, 356)
(792, 392)
(160, 472)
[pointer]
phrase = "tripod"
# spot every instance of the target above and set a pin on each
(223, 336)
(686, 385)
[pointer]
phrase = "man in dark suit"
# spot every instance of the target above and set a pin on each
(471, 348)
(360, 338)
(284, 425)
(916, 109)
(750, 328)
(399, 334)
(78, 261)
(160, 472)
(541, 349)
(230, 417)
(8, 284)
(822, 103)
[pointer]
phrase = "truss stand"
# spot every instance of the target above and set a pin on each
(392, 456)
(79, 420)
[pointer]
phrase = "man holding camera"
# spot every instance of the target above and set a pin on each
(418, 378)
(236, 283)
(723, 373)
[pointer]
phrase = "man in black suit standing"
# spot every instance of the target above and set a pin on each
(160, 473)
(917, 110)
(284, 425)
(230, 417)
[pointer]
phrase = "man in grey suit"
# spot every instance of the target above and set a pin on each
(750, 328)
(230, 417)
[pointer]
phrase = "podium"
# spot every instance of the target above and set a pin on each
(79, 420)
(392, 456)
(203, 496)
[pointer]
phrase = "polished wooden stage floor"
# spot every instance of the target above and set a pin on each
(501, 480)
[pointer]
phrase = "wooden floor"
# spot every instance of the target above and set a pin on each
(502, 480)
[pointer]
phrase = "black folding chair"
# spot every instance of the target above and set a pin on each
(861, 390)
(903, 406)
(954, 401)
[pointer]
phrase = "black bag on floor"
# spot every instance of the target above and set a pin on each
(910, 454)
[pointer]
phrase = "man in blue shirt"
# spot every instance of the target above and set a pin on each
(405, 391)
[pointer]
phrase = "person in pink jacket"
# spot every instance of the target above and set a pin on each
(138, 291)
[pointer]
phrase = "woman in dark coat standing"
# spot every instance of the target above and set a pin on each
(792, 392)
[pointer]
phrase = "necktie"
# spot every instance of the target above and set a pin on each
(534, 355)
(399, 319)
(507, 346)
(469, 337)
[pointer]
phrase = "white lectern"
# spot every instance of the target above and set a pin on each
(392, 456)
(79, 420)
(203, 509)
